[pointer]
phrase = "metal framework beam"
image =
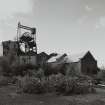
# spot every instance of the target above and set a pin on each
(33, 30)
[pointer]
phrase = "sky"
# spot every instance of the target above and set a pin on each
(63, 26)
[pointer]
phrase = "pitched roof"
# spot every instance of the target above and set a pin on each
(76, 57)
(59, 58)
(68, 58)
(54, 58)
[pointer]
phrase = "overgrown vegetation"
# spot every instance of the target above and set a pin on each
(101, 75)
(57, 83)
(37, 80)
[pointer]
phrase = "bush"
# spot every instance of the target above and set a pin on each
(30, 85)
(81, 89)
(5, 67)
(101, 75)
(74, 85)
(66, 86)
(84, 85)
(4, 80)
(23, 69)
(36, 85)
(69, 85)
(57, 83)
(39, 74)
(71, 71)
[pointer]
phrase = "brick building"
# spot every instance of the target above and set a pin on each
(12, 47)
(83, 63)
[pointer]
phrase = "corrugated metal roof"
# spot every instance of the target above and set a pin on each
(54, 59)
(76, 57)
(68, 58)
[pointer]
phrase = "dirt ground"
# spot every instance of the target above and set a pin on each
(9, 97)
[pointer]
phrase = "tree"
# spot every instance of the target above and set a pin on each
(101, 75)
(71, 71)
(40, 73)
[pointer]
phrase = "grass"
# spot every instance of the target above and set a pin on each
(9, 97)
